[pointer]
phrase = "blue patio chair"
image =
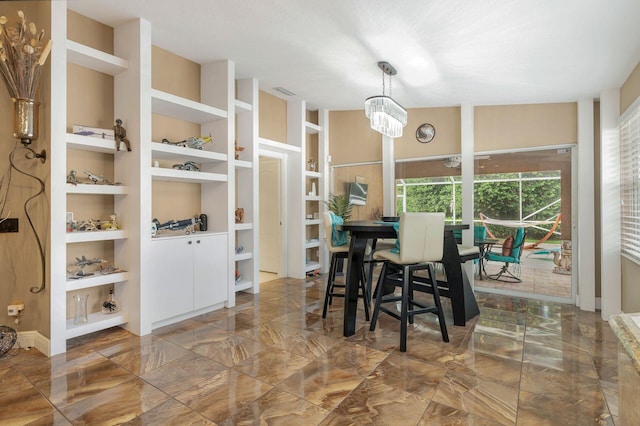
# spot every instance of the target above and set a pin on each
(510, 258)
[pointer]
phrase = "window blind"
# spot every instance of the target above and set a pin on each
(630, 183)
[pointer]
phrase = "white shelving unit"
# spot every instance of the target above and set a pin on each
(306, 242)
(247, 277)
(228, 110)
(61, 288)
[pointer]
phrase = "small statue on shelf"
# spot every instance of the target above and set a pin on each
(238, 150)
(120, 135)
(239, 215)
(72, 177)
(312, 165)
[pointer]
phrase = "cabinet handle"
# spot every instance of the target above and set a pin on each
(189, 242)
(198, 241)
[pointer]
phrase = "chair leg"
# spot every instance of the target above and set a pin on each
(365, 294)
(406, 279)
(436, 299)
(330, 281)
(378, 291)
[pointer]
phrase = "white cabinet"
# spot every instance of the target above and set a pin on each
(189, 276)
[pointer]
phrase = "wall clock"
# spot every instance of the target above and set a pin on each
(425, 133)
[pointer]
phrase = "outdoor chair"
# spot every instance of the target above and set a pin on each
(510, 255)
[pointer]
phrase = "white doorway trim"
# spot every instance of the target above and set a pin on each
(284, 197)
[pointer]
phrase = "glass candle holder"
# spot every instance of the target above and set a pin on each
(25, 120)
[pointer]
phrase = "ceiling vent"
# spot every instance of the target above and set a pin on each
(284, 91)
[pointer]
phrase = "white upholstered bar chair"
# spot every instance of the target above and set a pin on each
(421, 240)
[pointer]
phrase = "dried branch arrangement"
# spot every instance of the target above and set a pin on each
(21, 56)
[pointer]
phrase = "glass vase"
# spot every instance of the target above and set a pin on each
(80, 305)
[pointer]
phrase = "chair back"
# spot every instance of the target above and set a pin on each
(421, 237)
(518, 243)
(479, 232)
(328, 230)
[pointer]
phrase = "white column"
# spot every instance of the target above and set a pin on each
(610, 287)
(388, 177)
(584, 227)
(467, 148)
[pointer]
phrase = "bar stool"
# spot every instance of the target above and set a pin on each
(421, 239)
(340, 252)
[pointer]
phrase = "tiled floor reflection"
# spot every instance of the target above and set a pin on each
(273, 360)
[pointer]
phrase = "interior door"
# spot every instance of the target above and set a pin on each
(270, 222)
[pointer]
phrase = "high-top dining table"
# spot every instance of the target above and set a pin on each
(457, 286)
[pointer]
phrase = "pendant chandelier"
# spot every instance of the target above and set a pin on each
(386, 115)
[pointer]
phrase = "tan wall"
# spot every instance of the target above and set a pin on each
(446, 121)
(630, 90)
(351, 140)
(273, 117)
(19, 257)
(371, 174)
(522, 126)
(169, 73)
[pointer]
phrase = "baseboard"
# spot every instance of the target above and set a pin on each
(598, 304)
(33, 339)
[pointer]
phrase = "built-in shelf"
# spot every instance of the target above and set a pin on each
(89, 188)
(165, 151)
(89, 143)
(243, 226)
(184, 109)
(243, 106)
(243, 256)
(96, 280)
(94, 59)
(312, 198)
(310, 174)
(243, 164)
(243, 285)
(312, 266)
(175, 175)
(313, 222)
(312, 244)
(311, 128)
(96, 321)
(88, 236)
(277, 146)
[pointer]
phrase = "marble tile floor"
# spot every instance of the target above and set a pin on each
(273, 360)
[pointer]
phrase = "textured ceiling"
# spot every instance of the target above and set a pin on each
(447, 52)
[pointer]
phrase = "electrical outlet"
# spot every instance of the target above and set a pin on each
(9, 224)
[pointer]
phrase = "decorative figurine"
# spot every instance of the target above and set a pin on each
(95, 178)
(189, 165)
(111, 226)
(312, 165)
(239, 215)
(72, 177)
(238, 150)
(192, 142)
(174, 225)
(120, 135)
(110, 306)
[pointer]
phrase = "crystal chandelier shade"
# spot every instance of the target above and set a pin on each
(386, 115)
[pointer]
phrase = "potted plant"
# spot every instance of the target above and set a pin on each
(339, 205)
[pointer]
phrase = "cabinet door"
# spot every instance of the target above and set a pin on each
(210, 270)
(172, 277)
